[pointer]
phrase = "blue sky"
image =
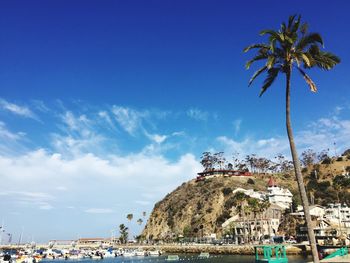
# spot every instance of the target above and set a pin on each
(107, 106)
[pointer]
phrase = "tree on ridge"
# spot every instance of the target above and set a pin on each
(292, 47)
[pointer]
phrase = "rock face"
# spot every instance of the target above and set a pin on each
(197, 208)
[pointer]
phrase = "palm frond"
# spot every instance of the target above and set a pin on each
(309, 39)
(296, 25)
(260, 45)
(273, 33)
(256, 74)
(270, 62)
(254, 59)
(304, 28)
(326, 60)
(271, 76)
(283, 27)
(306, 60)
(290, 21)
(308, 80)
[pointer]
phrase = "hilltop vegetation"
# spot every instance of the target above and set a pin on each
(196, 209)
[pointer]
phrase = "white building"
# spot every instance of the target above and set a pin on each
(315, 210)
(251, 193)
(277, 195)
(338, 214)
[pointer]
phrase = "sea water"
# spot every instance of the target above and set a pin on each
(184, 258)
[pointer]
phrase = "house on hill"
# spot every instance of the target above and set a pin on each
(207, 174)
(277, 195)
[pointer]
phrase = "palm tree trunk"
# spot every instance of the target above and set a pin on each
(298, 174)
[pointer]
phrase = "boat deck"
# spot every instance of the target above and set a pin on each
(339, 259)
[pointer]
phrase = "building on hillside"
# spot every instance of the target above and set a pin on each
(325, 232)
(331, 224)
(338, 214)
(277, 195)
(220, 173)
(251, 193)
(252, 227)
(315, 210)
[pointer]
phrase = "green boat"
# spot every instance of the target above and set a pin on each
(203, 255)
(172, 258)
(271, 254)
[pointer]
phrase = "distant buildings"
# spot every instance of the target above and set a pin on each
(253, 227)
(207, 174)
(330, 224)
(275, 194)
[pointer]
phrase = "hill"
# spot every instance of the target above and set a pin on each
(199, 208)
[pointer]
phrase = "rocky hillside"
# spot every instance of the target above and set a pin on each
(196, 207)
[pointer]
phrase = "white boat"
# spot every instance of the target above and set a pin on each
(139, 253)
(154, 253)
(128, 253)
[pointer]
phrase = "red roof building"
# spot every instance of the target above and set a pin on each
(271, 182)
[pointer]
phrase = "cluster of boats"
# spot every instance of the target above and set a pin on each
(30, 256)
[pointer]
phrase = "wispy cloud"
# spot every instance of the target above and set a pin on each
(27, 198)
(79, 135)
(129, 119)
(237, 125)
(318, 135)
(17, 109)
(40, 105)
(104, 115)
(197, 114)
(8, 135)
(99, 211)
(157, 138)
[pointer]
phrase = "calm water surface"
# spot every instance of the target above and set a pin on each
(183, 258)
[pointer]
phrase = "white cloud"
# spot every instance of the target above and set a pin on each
(264, 147)
(237, 126)
(61, 188)
(8, 135)
(129, 119)
(319, 135)
(157, 138)
(40, 105)
(38, 200)
(90, 179)
(105, 116)
(17, 109)
(99, 211)
(45, 206)
(197, 114)
(79, 135)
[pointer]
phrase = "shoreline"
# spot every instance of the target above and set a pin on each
(180, 249)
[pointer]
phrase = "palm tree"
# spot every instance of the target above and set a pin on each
(292, 47)
(129, 217)
(254, 205)
(139, 221)
(239, 201)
